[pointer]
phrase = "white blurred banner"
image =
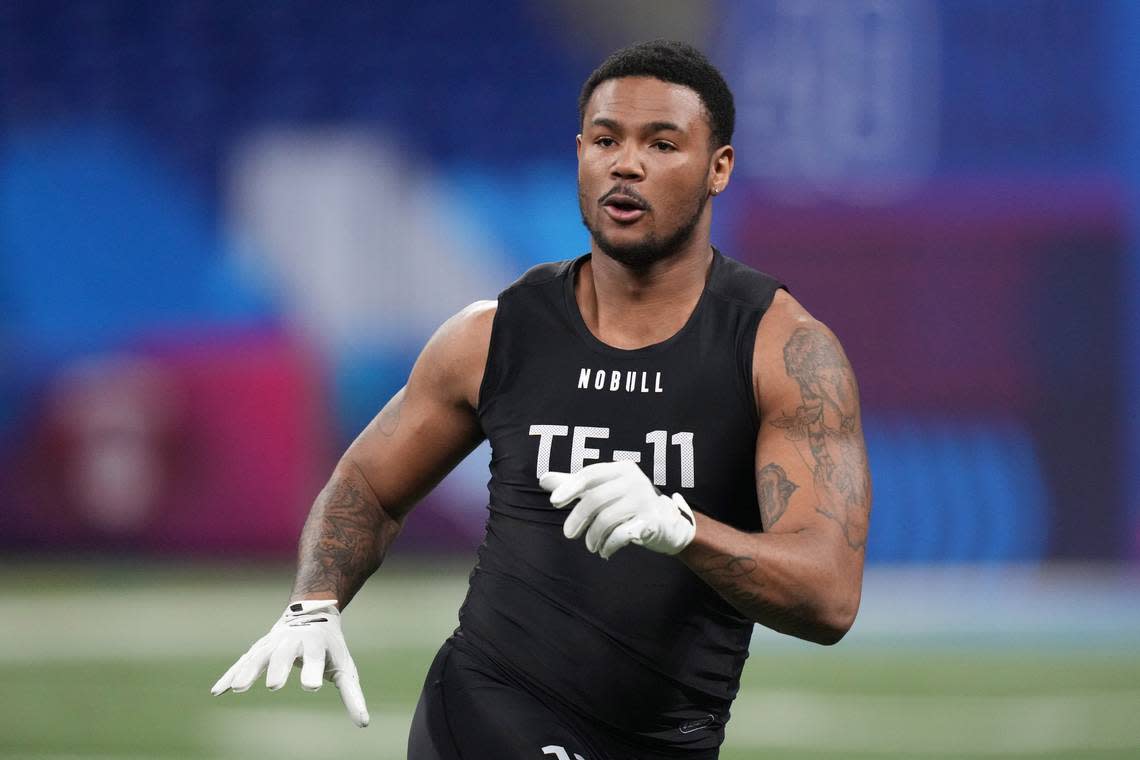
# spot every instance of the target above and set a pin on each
(367, 245)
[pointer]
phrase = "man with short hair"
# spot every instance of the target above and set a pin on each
(677, 454)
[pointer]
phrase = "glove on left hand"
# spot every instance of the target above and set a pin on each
(617, 505)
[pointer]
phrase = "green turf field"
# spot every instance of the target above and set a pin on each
(103, 661)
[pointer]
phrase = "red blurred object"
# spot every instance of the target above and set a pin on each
(189, 445)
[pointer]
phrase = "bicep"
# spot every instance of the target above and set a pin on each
(430, 425)
(812, 479)
(811, 461)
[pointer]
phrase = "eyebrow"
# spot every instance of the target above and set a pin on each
(653, 126)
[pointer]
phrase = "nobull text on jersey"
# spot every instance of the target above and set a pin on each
(614, 380)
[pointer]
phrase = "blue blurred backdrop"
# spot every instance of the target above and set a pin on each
(227, 228)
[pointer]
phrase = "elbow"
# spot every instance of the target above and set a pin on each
(827, 632)
(830, 634)
(833, 621)
(823, 625)
(838, 604)
(835, 624)
(349, 468)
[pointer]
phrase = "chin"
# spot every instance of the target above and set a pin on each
(636, 252)
(641, 252)
(633, 255)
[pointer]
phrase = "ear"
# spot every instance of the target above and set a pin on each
(720, 169)
(578, 146)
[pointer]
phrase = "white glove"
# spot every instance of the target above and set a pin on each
(617, 505)
(309, 630)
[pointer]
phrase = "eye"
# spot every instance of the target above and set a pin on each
(605, 142)
(664, 147)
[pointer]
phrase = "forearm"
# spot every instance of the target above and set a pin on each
(344, 540)
(789, 582)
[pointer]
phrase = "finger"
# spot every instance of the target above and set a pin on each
(223, 684)
(255, 661)
(605, 521)
(348, 683)
(589, 505)
(353, 699)
(586, 478)
(312, 666)
(623, 535)
(552, 480)
(280, 663)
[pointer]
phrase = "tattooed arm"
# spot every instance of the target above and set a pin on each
(803, 574)
(419, 436)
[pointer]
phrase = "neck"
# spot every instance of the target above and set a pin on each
(619, 285)
(631, 308)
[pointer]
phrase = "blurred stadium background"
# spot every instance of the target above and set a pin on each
(226, 229)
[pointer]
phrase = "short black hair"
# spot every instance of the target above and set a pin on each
(673, 62)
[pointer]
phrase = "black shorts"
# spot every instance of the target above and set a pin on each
(470, 710)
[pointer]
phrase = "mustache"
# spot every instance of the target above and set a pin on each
(626, 190)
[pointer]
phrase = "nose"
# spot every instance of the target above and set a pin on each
(627, 164)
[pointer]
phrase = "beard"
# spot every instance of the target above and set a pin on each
(651, 248)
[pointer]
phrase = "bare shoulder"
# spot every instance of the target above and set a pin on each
(472, 324)
(453, 359)
(791, 348)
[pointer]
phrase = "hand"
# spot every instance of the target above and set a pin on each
(309, 630)
(617, 505)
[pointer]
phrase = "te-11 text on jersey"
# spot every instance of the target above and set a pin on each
(581, 452)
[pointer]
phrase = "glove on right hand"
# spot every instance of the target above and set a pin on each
(309, 630)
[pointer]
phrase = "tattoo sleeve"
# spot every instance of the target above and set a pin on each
(345, 538)
(828, 421)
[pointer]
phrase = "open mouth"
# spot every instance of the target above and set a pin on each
(624, 208)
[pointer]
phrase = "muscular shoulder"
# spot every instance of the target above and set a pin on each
(792, 347)
(452, 362)
(472, 324)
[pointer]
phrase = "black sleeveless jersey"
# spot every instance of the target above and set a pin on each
(638, 642)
